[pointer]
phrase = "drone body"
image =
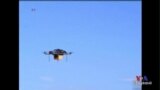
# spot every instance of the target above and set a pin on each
(57, 54)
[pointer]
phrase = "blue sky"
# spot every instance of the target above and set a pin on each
(104, 36)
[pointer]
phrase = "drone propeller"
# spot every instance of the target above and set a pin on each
(45, 53)
(69, 53)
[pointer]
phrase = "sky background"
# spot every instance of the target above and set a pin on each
(105, 38)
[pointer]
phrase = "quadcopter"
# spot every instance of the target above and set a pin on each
(57, 54)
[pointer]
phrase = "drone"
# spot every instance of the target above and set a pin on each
(57, 54)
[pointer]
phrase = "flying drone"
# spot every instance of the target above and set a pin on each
(57, 54)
